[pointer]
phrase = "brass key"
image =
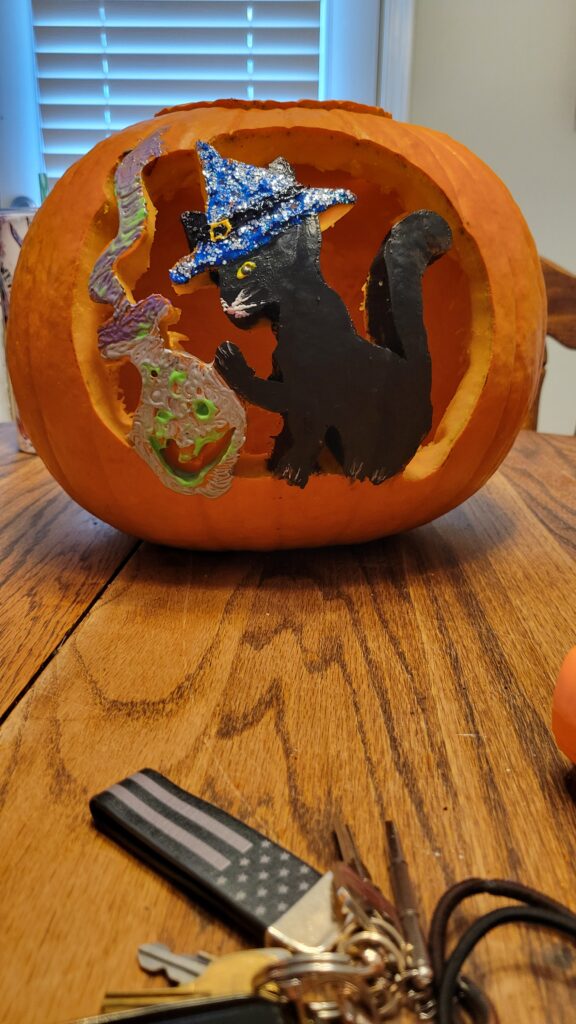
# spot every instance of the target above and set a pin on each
(228, 975)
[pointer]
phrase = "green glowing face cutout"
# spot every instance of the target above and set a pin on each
(188, 425)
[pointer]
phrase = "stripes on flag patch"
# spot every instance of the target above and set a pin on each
(216, 857)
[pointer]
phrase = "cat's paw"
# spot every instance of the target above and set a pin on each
(232, 366)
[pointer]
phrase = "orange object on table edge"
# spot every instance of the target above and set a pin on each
(564, 706)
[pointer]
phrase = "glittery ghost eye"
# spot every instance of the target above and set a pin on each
(204, 409)
(245, 269)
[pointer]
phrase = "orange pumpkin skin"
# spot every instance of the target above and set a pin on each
(564, 706)
(484, 306)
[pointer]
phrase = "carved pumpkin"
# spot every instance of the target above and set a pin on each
(139, 427)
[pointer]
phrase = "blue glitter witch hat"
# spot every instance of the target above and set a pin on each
(247, 207)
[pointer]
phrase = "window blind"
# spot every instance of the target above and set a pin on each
(104, 65)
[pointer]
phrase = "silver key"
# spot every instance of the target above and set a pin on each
(179, 968)
(227, 975)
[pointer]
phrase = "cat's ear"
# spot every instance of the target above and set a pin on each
(310, 239)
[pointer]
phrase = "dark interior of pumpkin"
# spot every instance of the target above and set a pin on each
(348, 248)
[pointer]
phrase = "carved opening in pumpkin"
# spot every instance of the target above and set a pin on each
(387, 189)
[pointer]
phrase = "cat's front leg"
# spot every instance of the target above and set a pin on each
(232, 366)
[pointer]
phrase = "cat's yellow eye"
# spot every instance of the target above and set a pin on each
(245, 269)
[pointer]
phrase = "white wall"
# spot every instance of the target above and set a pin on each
(500, 76)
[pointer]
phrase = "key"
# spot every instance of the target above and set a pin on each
(407, 907)
(373, 932)
(179, 968)
(348, 850)
(354, 876)
(273, 896)
(231, 1009)
(228, 975)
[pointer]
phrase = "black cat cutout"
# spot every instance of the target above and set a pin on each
(370, 403)
(367, 400)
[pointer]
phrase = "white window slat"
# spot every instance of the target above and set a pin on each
(104, 64)
(154, 89)
(58, 141)
(77, 118)
(182, 66)
(168, 41)
(174, 13)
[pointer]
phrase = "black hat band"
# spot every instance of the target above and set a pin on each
(199, 230)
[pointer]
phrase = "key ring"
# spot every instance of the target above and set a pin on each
(327, 986)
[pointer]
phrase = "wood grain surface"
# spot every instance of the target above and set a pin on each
(410, 677)
(55, 560)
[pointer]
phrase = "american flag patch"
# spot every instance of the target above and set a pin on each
(217, 858)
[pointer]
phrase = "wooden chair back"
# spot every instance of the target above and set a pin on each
(561, 294)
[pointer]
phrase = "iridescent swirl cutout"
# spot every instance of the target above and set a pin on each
(189, 426)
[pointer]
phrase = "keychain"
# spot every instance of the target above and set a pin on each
(333, 947)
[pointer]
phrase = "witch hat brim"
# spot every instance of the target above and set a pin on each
(247, 207)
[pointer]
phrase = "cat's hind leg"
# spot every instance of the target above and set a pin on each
(362, 454)
(296, 451)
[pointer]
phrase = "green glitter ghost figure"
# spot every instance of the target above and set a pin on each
(189, 426)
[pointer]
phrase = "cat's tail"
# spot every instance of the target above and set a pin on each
(393, 291)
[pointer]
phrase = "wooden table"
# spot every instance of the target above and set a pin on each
(410, 677)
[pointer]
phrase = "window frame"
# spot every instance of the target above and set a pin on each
(367, 59)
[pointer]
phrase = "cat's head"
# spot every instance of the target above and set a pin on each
(256, 285)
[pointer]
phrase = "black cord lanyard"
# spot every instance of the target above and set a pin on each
(456, 993)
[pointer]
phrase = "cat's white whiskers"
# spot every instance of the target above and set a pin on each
(239, 308)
